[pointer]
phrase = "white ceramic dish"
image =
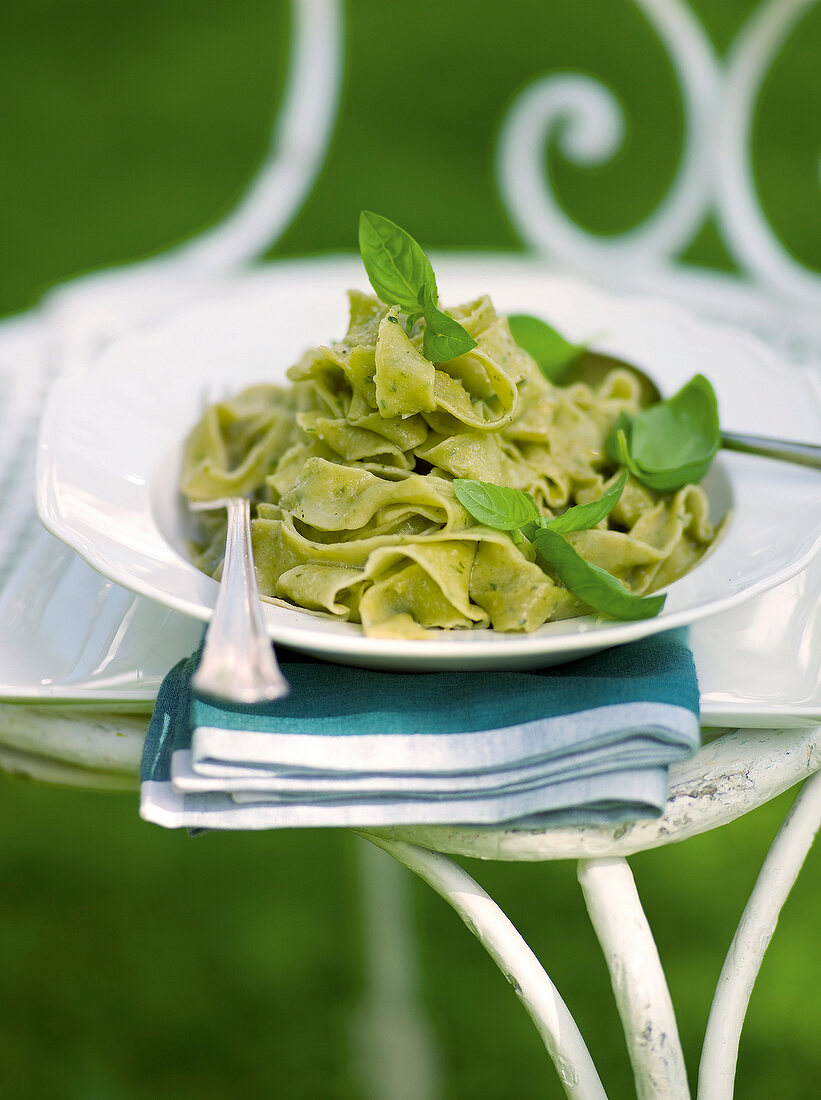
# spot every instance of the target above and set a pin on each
(109, 450)
(760, 664)
(68, 635)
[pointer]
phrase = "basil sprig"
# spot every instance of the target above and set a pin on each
(553, 353)
(513, 510)
(672, 443)
(401, 275)
(506, 509)
(592, 584)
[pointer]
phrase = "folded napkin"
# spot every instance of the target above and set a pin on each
(582, 743)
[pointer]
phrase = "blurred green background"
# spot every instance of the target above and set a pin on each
(136, 963)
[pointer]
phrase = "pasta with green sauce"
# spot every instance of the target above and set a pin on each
(352, 468)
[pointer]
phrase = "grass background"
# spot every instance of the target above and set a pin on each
(137, 963)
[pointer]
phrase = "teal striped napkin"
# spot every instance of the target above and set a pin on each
(583, 743)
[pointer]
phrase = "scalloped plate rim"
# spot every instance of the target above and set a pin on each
(351, 645)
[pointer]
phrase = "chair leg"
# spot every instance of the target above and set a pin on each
(514, 958)
(735, 984)
(638, 981)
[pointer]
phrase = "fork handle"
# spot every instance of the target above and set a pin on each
(805, 454)
(238, 662)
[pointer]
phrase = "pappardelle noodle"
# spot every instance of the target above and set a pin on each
(354, 469)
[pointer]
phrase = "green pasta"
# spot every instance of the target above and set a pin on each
(351, 468)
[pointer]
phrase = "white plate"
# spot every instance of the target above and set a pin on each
(109, 449)
(760, 664)
(68, 635)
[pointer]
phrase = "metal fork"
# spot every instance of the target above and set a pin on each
(804, 454)
(238, 661)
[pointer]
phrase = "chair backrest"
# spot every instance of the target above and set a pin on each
(569, 116)
(580, 118)
(772, 292)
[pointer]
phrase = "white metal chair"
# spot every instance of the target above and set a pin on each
(774, 297)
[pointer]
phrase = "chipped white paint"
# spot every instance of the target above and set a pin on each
(724, 780)
(100, 743)
(638, 981)
(44, 769)
(784, 860)
(514, 958)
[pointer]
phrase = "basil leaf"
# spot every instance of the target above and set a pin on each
(512, 510)
(401, 275)
(682, 432)
(553, 354)
(592, 584)
(672, 443)
(584, 516)
(444, 338)
(399, 271)
(496, 506)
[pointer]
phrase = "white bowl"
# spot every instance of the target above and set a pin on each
(110, 444)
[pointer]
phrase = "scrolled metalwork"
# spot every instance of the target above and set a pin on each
(585, 121)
